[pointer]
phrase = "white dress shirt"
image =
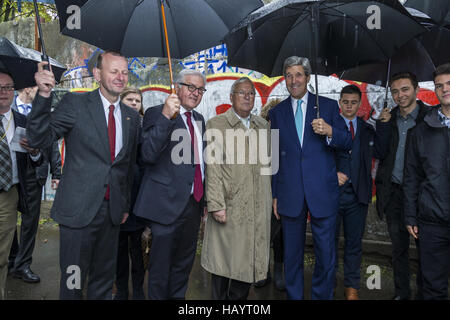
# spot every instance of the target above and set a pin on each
(245, 121)
(199, 140)
(20, 104)
(117, 118)
(8, 124)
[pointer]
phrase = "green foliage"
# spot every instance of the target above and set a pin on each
(9, 10)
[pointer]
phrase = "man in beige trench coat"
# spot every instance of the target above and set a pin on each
(238, 192)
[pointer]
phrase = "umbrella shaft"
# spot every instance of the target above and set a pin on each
(166, 37)
(38, 21)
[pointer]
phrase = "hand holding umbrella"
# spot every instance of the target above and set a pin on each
(171, 107)
(45, 80)
(322, 128)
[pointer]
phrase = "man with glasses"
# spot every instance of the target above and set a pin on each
(13, 166)
(171, 192)
(236, 244)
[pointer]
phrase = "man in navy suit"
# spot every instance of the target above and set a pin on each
(355, 182)
(307, 178)
(171, 191)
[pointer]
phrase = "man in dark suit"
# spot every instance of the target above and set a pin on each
(426, 189)
(20, 257)
(307, 179)
(171, 191)
(13, 166)
(355, 182)
(93, 196)
(408, 113)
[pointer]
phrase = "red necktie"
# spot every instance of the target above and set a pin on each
(112, 139)
(352, 130)
(198, 184)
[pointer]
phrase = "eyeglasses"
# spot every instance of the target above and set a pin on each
(7, 88)
(243, 93)
(192, 88)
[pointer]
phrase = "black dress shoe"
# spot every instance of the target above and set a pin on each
(26, 275)
(399, 298)
(262, 283)
(120, 295)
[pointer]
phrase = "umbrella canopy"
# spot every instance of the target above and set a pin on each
(438, 10)
(22, 62)
(135, 28)
(420, 56)
(283, 28)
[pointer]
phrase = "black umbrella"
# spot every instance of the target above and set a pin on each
(438, 10)
(22, 62)
(420, 56)
(135, 27)
(334, 34)
(144, 28)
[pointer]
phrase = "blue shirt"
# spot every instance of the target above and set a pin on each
(347, 122)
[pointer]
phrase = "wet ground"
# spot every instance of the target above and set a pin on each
(46, 265)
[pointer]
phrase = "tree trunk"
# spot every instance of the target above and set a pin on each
(7, 11)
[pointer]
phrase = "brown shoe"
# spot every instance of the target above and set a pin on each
(351, 294)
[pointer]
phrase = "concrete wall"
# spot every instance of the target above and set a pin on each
(151, 75)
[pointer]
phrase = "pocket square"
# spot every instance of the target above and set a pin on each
(128, 118)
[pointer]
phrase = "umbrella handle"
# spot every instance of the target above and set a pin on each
(45, 58)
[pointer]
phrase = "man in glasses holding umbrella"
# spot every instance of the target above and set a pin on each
(93, 196)
(307, 178)
(171, 192)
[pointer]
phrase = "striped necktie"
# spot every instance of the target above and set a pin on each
(5, 159)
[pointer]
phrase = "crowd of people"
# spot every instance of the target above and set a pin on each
(255, 180)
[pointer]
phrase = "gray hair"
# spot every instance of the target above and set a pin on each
(189, 72)
(297, 61)
(239, 81)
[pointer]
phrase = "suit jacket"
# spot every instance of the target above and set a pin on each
(166, 186)
(308, 171)
(22, 160)
(80, 119)
(371, 144)
(50, 156)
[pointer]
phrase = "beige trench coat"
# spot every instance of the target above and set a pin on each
(240, 248)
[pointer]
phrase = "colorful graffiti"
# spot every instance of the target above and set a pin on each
(217, 97)
(213, 62)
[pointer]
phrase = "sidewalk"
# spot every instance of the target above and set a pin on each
(46, 265)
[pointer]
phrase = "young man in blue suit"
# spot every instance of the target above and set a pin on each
(307, 178)
(355, 182)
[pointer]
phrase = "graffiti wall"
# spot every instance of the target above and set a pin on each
(151, 76)
(146, 74)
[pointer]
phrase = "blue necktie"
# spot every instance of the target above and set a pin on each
(299, 120)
